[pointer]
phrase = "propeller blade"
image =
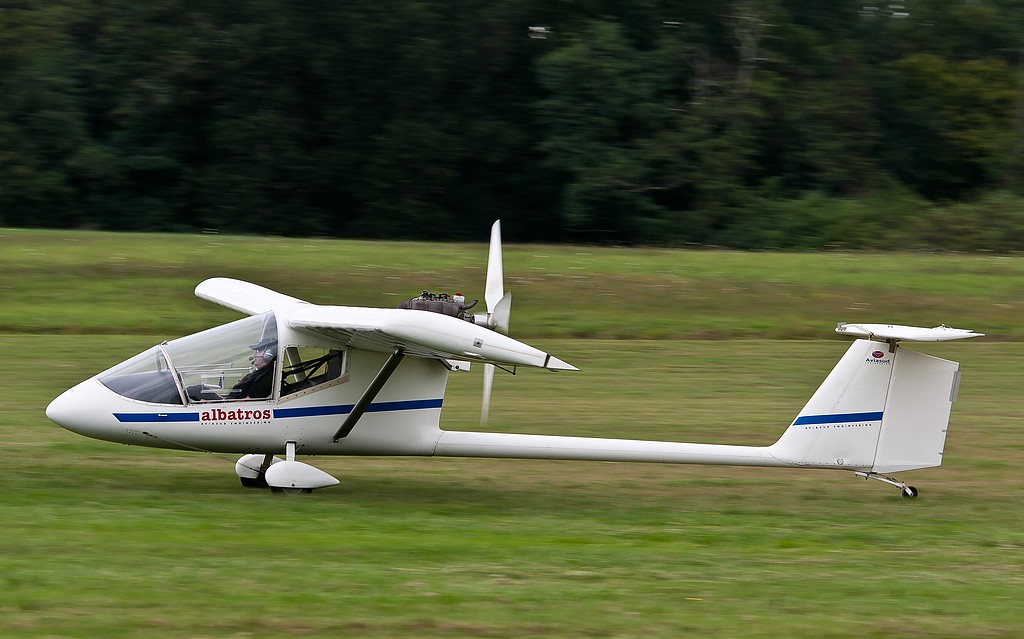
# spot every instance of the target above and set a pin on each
(495, 286)
(499, 308)
(488, 382)
(502, 313)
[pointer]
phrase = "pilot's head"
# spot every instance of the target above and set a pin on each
(264, 352)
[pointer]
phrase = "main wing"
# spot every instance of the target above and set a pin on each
(420, 333)
(417, 333)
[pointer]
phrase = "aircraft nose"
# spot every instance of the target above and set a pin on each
(87, 409)
(77, 409)
(61, 410)
(81, 410)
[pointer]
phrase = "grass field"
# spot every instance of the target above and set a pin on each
(91, 283)
(105, 540)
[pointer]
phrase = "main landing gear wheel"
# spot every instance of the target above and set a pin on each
(291, 491)
(909, 492)
(257, 482)
(292, 477)
(252, 469)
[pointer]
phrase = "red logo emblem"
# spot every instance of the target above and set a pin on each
(878, 354)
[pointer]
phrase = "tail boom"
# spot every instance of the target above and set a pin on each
(518, 446)
(882, 409)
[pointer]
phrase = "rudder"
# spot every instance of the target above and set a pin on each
(921, 394)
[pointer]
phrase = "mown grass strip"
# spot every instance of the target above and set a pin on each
(106, 540)
(93, 283)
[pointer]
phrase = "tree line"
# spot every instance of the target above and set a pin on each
(750, 124)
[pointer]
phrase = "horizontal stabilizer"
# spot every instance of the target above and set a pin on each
(244, 297)
(885, 332)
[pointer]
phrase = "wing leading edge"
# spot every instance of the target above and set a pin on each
(420, 333)
(244, 297)
(417, 333)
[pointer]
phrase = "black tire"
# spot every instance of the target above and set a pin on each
(254, 482)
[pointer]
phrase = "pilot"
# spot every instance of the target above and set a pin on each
(259, 381)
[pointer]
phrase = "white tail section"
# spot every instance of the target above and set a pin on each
(921, 393)
(879, 410)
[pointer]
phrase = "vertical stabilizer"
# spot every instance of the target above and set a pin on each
(839, 426)
(880, 410)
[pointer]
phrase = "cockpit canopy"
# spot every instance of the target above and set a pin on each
(205, 366)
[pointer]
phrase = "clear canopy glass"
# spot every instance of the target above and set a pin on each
(208, 366)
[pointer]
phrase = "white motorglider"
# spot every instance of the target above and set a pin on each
(296, 377)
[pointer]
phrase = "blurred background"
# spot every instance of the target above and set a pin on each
(746, 124)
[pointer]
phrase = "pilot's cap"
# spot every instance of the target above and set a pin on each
(264, 343)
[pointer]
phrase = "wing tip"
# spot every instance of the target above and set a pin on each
(554, 364)
(242, 296)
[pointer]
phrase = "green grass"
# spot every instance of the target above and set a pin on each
(113, 541)
(94, 283)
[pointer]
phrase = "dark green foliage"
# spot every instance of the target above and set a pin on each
(993, 223)
(751, 124)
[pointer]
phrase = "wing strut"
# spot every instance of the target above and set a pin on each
(370, 393)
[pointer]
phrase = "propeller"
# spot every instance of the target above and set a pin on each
(498, 302)
(485, 410)
(499, 308)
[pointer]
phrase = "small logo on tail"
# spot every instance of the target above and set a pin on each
(878, 357)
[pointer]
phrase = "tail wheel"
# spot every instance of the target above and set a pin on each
(908, 492)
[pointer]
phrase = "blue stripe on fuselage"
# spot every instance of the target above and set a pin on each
(841, 418)
(306, 411)
(156, 417)
(345, 409)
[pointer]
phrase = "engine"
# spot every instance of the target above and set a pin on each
(443, 303)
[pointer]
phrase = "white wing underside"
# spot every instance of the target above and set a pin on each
(417, 333)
